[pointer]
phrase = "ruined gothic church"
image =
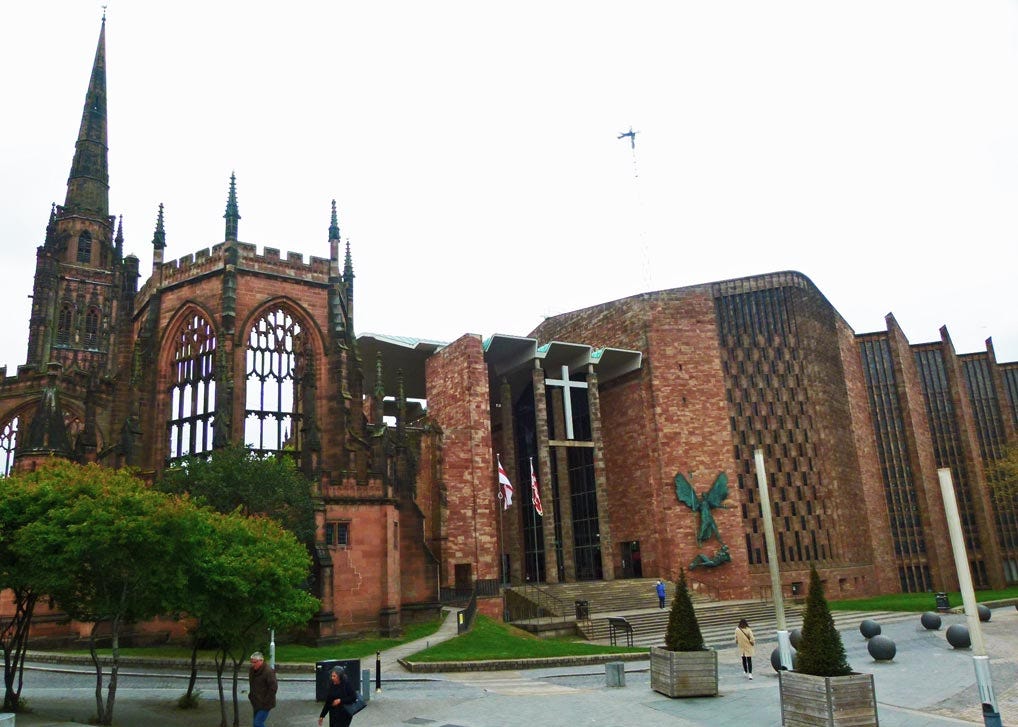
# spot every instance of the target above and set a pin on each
(601, 408)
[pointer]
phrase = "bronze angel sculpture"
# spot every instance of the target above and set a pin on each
(714, 497)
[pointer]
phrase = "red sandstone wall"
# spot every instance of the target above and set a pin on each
(877, 534)
(458, 401)
(670, 416)
(922, 459)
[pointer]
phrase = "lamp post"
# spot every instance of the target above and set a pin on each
(981, 662)
(784, 643)
(272, 648)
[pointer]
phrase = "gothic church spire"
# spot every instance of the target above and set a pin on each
(88, 187)
(232, 215)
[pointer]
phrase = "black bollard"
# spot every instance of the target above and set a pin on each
(378, 671)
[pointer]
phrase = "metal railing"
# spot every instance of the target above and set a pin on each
(529, 602)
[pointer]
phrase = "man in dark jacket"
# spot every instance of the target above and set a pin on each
(261, 688)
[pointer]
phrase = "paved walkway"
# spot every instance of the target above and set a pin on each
(929, 684)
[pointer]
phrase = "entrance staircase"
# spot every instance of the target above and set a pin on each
(636, 601)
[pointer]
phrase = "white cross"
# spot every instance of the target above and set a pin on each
(566, 385)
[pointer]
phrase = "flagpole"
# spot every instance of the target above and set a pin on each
(501, 509)
(533, 523)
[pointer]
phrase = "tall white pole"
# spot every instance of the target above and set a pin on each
(981, 661)
(784, 643)
(272, 648)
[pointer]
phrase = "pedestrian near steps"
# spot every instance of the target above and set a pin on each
(747, 646)
(660, 594)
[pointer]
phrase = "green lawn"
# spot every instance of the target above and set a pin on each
(295, 653)
(914, 601)
(492, 640)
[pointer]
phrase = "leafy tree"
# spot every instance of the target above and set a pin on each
(235, 477)
(683, 629)
(247, 579)
(821, 652)
(1002, 477)
(113, 553)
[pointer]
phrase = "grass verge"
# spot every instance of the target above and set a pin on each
(917, 602)
(490, 640)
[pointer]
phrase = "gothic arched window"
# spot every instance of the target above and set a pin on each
(275, 352)
(92, 328)
(85, 247)
(64, 323)
(8, 442)
(193, 388)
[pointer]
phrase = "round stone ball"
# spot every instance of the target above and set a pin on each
(881, 648)
(869, 628)
(776, 659)
(931, 621)
(958, 636)
(984, 612)
(795, 637)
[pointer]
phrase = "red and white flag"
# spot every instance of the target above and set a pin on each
(505, 487)
(534, 492)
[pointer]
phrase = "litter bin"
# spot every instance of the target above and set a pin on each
(942, 603)
(582, 610)
(322, 669)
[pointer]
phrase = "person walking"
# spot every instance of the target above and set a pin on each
(262, 686)
(340, 693)
(747, 646)
(660, 594)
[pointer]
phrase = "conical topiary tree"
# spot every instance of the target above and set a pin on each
(683, 630)
(821, 652)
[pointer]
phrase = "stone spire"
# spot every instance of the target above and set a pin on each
(88, 187)
(334, 225)
(232, 215)
(159, 236)
(158, 241)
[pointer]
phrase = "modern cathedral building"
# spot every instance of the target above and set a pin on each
(601, 408)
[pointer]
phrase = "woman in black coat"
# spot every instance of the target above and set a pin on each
(340, 693)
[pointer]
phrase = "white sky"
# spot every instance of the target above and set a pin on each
(472, 150)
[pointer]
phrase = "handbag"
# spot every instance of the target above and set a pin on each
(352, 709)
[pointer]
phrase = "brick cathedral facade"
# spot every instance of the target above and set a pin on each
(401, 437)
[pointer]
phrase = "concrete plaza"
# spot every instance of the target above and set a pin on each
(928, 684)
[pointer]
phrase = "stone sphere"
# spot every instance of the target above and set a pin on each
(795, 637)
(881, 648)
(869, 628)
(931, 621)
(958, 636)
(776, 659)
(984, 612)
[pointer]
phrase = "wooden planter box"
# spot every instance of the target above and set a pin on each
(684, 673)
(807, 700)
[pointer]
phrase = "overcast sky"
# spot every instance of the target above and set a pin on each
(472, 149)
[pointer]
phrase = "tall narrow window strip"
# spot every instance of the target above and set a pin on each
(193, 389)
(92, 327)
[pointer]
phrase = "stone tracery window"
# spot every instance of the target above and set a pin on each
(193, 388)
(85, 247)
(8, 442)
(92, 327)
(275, 353)
(64, 322)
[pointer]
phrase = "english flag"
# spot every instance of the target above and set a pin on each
(505, 487)
(534, 493)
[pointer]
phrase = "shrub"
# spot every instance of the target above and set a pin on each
(821, 652)
(683, 630)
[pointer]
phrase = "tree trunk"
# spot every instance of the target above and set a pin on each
(220, 665)
(98, 674)
(111, 692)
(14, 638)
(236, 702)
(194, 667)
